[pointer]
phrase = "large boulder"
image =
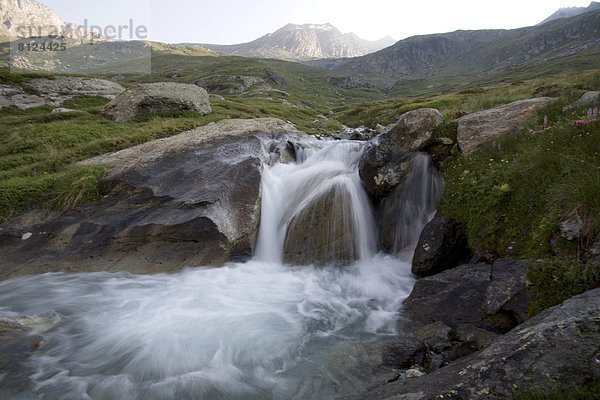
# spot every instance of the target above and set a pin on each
(151, 98)
(557, 348)
(458, 312)
(188, 200)
(492, 297)
(488, 125)
(588, 99)
(382, 168)
(387, 157)
(43, 91)
(322, 233)
(415, 128)
(64, 86)
(443, 245)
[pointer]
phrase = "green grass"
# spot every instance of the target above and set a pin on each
(470, 99)
(555, 280)
(589, 391)
(513, 196)
(38, 148)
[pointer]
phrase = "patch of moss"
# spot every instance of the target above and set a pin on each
(588, 391)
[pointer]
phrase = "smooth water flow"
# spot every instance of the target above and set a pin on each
(413, 204)
(258, 330)
(289, 190)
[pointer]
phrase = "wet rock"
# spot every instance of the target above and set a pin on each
(558, 347)
(488, 125)
(387, 157)
(411, 205)
(403, 353)
(492, 297)
(360, 133)
(151, 98)
(439, 149)
(192, 199)
(383, 167)
(19, 339)
(443, 245)
(323, 233)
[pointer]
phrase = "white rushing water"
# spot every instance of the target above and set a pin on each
(255, 330)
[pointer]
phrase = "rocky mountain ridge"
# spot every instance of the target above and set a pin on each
(27, 18)
(568, 12)
(478, 51)
(305, 42)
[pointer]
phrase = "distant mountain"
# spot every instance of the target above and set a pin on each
(477, 52)
(26, 18)
(16, 16)
(305, 42)
(572, 12)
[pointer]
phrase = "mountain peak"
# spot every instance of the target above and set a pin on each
(567, 12)
(303, 42)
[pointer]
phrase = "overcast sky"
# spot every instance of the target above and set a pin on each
(237, 21)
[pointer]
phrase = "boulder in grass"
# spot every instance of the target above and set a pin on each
(152, 98)
(489, 125)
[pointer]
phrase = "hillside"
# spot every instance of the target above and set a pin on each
(478, 52)
(572, 12)
(27, 18)
(305, 42)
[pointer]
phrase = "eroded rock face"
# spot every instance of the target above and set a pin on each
(188, 200)
(488, 125)
(443, 245)
(558, 346)
(151, 98)
(17, 16)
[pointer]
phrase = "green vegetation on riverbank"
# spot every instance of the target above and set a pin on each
(513, 196)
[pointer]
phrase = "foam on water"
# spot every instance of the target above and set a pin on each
(255, 330)
(240, 332)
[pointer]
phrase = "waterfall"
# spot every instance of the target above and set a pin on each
(290, 190)
(411, 206)
(246, 331)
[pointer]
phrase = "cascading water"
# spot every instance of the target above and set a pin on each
(411, 206)
(245, 331)
(289, 191)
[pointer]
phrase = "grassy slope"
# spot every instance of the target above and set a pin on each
(38, 148)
